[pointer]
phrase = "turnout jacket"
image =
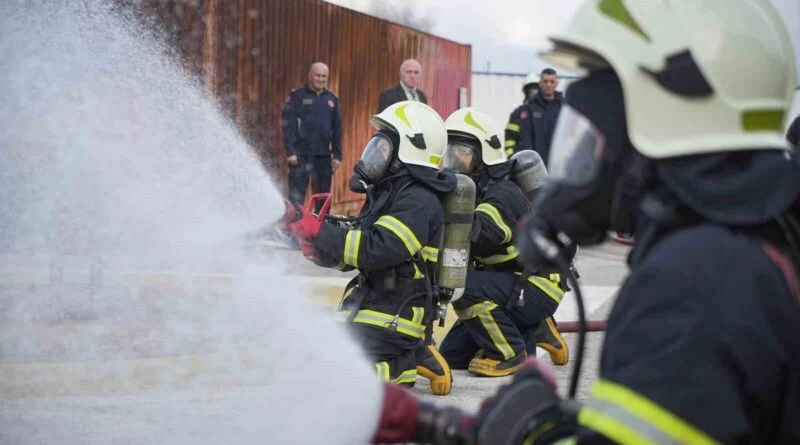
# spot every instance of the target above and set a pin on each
(515, 124)
(498, 210)
(395, 249)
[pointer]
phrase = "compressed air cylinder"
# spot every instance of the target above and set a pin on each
(459, 206)
(529, 172)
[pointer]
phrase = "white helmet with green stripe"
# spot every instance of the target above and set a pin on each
(421, 130)
(699, 76)
(479, 131)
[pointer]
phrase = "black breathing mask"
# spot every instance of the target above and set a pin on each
(375, 160)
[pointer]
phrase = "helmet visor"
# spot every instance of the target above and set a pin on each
(459, 157)
(577, 149)
(375, 157)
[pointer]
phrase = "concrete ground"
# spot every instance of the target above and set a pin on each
(64, 396)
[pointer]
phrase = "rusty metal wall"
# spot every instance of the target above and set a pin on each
(251, 53)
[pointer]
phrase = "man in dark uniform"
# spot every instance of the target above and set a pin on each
(702, 343)
(312, 134)
(503, 305)
(529, 88)
(395, 243)
(406, 89)
(536, 132)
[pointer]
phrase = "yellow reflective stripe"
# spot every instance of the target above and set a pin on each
(352, 242)
(430, 254)
(382, 320)
(401, 231)
(495, 334)
(419, 314)
(382, 370)
(567, 441)
(407, 376)
(494, 215)
(512, 127)
(510, 143)
(509, 152)
(625, 416)
(341, 265)
(475, 310)
(512, 253)
(548, 287)
(611, 428)
(417, 273)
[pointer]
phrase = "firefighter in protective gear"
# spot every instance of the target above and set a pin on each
(394, 244)
(668, 138)
(502, 305)
(515, 121)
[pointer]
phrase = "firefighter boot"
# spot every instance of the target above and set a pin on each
(549, 339)
(487, 367)
(432, 366)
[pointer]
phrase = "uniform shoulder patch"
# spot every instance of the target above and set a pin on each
(523, 114)
(331, 103)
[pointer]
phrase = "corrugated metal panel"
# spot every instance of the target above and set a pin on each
(499, 94)
(251, 53)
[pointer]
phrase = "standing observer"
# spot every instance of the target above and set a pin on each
(312, 134)
(406, 89)
(536, 132)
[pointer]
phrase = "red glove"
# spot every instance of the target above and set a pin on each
(398, 416)
(405, 419)
(303, 226)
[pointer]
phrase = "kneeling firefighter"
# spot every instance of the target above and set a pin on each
(667, 138)
(394, 243)
(504, 307)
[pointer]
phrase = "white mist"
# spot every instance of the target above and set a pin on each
(131, 309)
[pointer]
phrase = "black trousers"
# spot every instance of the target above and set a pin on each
(392, 353)
(318, 168)
(485, 323)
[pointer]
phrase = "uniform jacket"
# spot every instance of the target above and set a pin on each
(492, 247)
(312, 125)
(536, 132)
(513, 127)
(395, 249)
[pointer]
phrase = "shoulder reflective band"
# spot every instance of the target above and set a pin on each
(401, 231)
(513, 127)
(622, 415)
(494, 215)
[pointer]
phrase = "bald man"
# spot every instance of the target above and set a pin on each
(406, 89)
(312, 135)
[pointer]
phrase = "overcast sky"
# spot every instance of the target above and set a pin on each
(505, 34)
